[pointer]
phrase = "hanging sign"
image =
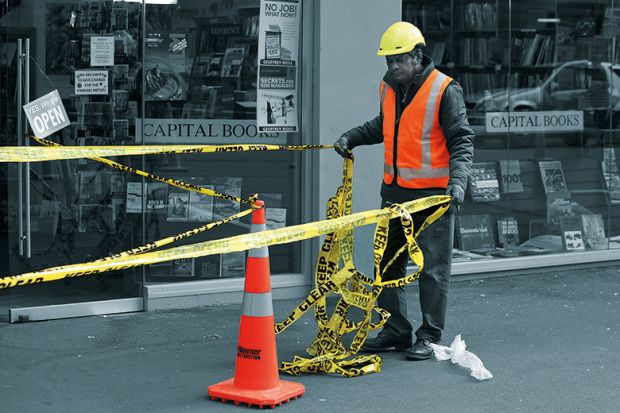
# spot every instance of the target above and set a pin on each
(278, 58)
(47, 115)
(549, 121)
(91, 82)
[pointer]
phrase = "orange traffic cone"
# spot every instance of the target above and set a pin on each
(256, 380)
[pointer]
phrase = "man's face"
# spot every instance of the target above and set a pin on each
(402, 67)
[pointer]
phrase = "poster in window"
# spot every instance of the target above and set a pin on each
(177, 205)
(136, 197)
(278, 56)
(165, 66)
(233, 265)
(200, 206)
(229, 185)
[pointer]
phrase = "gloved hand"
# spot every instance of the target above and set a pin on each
(342, 147)
(457, 193)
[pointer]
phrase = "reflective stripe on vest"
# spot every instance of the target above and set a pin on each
(257, 304)
(423, 158)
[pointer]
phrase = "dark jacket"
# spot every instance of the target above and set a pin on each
(453, 121)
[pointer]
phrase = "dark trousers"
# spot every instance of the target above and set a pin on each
(434, 281)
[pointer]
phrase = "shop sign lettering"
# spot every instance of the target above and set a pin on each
(549, 121)
(47, 115)
(204, 131)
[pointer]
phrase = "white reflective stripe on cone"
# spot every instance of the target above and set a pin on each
(259, 227)
(261, 252)
(257, 304)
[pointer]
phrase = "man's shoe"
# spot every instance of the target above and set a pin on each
(421, 350)
(385, 342)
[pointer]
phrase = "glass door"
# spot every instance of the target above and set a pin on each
(64, 212)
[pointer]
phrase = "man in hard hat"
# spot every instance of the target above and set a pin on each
(428, 150)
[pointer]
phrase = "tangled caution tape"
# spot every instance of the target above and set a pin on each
(328, 353)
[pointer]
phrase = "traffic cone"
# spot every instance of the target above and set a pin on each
(256, 380)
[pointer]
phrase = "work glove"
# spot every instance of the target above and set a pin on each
(457, 193)
(342, 147)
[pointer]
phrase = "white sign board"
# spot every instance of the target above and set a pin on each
(204, 131)
(102, 51)
(46, 115)
(91, 82)
(550, 121)
(278, 57)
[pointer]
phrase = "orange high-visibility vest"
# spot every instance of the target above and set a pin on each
(422, 157)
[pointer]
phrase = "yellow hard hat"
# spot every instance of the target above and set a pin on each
(401, 37)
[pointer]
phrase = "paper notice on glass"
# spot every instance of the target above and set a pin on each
(91, 82)
(278, 56)
(102, 51)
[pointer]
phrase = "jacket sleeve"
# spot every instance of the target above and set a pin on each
(458, 133)
(369, 133)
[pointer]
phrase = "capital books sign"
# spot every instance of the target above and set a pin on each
(204, 131)
(278, 56)
(47, 115)
(549, 121)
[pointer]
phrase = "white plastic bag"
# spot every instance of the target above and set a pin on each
(458, 355)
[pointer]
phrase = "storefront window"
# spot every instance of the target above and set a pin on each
(144, 72)
(200, 86)
(540, 82)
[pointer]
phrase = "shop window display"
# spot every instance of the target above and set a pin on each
(200, 86)
(541, 83)
(132, 73)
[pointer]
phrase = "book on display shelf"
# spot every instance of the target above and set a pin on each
(223, 208)
(136, 198)
(120, 130)
(484, 186)
(233, 265)
(208, 266)
(508, 232)
(611, 177)
(232, 61)
(553, 180)
(594, 231)
(475, 233)
(91, 185)
(183, 267)
(178, 201)
(157, 195)
(200, 206)
(510, 176)
(572, 233)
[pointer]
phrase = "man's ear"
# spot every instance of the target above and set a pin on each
(417, 57)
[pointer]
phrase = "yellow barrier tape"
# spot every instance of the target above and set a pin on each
(169, 181)
(220, 246)
(355, 289)
(37, 154)
(328, 353)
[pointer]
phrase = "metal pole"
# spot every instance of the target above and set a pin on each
(27, 142)
(20, 134)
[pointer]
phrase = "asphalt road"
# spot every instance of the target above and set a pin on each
(551, 341)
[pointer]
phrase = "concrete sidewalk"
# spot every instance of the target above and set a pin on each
(551, 341)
